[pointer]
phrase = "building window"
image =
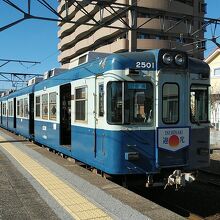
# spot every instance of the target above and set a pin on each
(45, 106)
(217, 72)
(188, 2)
(81, 104)
(144, 15)
(203, 8)
(143, 36)
(26, 108)
(52, 106)
(37, 114)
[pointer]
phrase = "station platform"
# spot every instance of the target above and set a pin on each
(38, 184)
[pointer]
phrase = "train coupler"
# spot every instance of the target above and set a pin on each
(179, 179)
(151, 183)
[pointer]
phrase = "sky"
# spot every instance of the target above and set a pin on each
(33, 40)
(37, 40)
(213, 7)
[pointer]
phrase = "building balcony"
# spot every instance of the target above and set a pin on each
(167, 5)
(156, 24)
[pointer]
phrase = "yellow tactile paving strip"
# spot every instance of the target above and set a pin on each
(77, 205)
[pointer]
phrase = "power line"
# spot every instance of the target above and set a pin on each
(7, 61)
(122, 9)
(15, 77)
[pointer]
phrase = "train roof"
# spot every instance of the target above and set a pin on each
(198, 66)
(112, 62)
(116, 61)
(20, 92)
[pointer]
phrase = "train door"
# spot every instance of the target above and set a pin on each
(14, 122)
(99, 119)
(31, 114)
(173, 133)
(65, 115)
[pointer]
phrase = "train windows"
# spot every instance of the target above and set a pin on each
(130, 103)
(114, 92)
(26, 107)
(18, 108)
(4, 109)
(52, 106)
(138, 104)
(81, 104)
(45, 106)
(21, 108)
(37, 114)
(10, 108)
(170, 106)
(101, 100)
(199, 103)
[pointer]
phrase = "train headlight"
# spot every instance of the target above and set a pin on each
(179, 59)
(167, 58)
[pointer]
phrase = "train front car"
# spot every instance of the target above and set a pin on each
(157, 117)
(182, 116)
(126, 133)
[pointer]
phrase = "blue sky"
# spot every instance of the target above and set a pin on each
(213, 7)
(37, 40)
(34, 40)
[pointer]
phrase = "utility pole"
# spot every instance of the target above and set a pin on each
(132, 13)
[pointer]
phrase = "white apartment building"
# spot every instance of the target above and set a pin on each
(155, 23)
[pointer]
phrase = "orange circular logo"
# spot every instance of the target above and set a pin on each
(174, 141)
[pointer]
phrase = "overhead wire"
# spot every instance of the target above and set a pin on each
(210, 21)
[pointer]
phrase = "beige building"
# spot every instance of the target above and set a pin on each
(214, 62)
(155, 24)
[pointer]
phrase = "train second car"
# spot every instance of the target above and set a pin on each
(132, 113)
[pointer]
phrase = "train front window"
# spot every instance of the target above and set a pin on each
(138, 103)
(199, 103)
(130, 103)
(170, 103)
(114, 109)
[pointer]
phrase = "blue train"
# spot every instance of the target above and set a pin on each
(138, 113)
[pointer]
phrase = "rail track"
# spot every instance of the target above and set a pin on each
(209, 177)
(170, 199)
(160, 197)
